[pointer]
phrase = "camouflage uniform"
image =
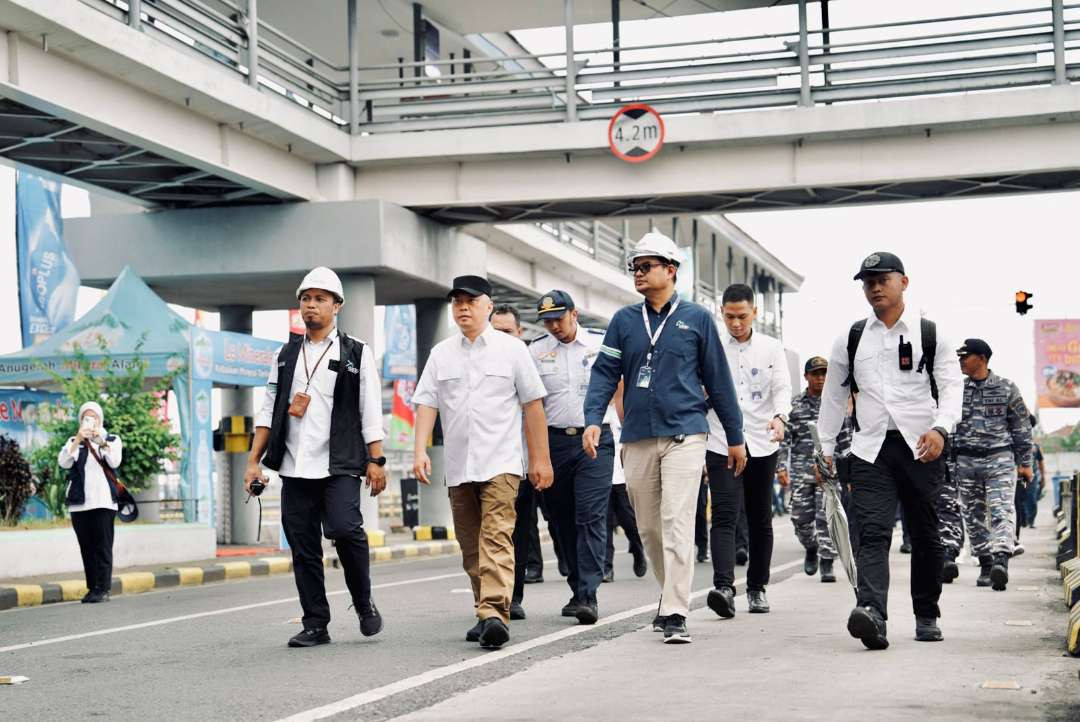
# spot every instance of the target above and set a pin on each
(807, 501)
(950, 519)
(991, 440)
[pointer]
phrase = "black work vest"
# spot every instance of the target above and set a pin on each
(348, 452)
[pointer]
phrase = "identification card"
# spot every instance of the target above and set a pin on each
(299, 404)
(644, 377)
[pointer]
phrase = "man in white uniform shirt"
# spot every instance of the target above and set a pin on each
(320, 428)
(763, 385)
(479, 381)
(908, 397)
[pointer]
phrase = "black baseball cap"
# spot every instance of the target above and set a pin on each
(472, 285)
(815, 363)
(975, 346)
(879, 262)
(554, 304)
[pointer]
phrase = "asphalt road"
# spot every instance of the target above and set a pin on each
(218, 651)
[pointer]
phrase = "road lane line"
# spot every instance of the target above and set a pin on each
(214, 613)
(433, 675)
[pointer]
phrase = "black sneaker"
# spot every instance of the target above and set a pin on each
(370, 621)
(827, 574)
(905, 548)
(722, 601)
(741, 557)
(757, 602)
(96, 597)
(675, 630)
(494, 633)
(927, 630)
(658, 623)
(867, 625)
(999, 572)
(310, 638)
(473, 635)
(571, 607)
(702, 555)
(517, 612)
(640, 566)
(951, 570)
(588, 612)
(810, 562)
(564, 569)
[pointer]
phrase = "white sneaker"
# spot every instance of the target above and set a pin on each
(1018, 549)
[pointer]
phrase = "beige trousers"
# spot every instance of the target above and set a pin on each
(484, 518)
(662, 479)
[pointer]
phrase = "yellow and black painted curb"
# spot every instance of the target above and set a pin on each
(429, 533)
(72, 590)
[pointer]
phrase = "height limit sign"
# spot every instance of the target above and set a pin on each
(636, 133)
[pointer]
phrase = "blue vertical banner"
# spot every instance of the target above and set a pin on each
(399, 361)
(48, 281)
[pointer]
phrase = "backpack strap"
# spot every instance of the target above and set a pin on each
(928, 332)
(854, 336)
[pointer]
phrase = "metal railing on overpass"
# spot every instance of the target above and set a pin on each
(988, 51)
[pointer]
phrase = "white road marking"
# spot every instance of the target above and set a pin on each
(432, 675)
(214, 613)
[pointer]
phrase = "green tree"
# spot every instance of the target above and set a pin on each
(130, 405)
(16, 482)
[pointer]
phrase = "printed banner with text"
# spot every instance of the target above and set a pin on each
(1057, 363)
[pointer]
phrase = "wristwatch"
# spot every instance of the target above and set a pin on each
(377, 460)
(943, 432)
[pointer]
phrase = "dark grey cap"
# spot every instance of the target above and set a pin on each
(879, 262)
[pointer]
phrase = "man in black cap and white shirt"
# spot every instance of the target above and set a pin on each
(479, 381)
(909, 395)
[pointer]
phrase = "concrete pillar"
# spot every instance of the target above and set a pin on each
(135, 14)
(571, 69)
(253, 43)
(354, 65)
(244, 518)
(357, 318)
(804, 57)
(335, 181)
(1057, 8)
(432, 326)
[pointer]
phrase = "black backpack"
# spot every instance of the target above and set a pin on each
(928, 331)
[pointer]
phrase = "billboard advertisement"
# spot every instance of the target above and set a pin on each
(399, 361)
(1057, 363)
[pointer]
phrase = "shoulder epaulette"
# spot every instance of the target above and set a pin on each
(541, 337)
(599, 331)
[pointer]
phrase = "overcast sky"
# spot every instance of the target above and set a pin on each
(965, 258)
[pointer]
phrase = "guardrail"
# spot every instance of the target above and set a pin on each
(956, 54)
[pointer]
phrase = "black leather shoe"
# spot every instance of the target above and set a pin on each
(609, 576)
(827, 574)
(702, 555)
(571, 607)
(810, 562)
(951, 570)
(534, 576)
(905, 548)
(310, 638)
(867, 625)
(756, 600)
(517, 612)
(722, 601)
(563, 568)
(370, 621)
(741, 557)
(588, 613)
(985, 564)
(927, 630)
(96, 597)
(473, 635)
(999, 572)
(494, 633)
(640, 566)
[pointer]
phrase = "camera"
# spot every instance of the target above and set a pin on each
(257, 487)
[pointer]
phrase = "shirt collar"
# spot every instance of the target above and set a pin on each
(731, 339)
(909, 316)
(484, 339)
(671, 302)
(329, 337)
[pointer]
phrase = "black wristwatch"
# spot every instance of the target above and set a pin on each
(377, 460)
(943, 432)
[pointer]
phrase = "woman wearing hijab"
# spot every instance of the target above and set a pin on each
(92, 497)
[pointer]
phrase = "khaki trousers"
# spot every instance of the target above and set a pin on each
(662, 479)
(484, 520)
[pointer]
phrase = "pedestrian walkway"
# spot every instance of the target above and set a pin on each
(1002, 658)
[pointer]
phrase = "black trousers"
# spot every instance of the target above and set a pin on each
(622, 514)
(843, 474)
(896, 476)
(94, 530)
(754, 487)
(332, 503)
(701, 524)
(526, 536)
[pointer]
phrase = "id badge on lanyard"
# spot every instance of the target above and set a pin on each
(645, 373)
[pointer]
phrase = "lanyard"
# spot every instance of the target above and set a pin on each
(654, 337)
(303, 349)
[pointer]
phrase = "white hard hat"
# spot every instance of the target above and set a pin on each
(657, 244)
(322, 277)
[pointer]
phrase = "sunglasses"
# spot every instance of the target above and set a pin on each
(643, 268)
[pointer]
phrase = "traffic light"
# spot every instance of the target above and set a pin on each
(1022, 305)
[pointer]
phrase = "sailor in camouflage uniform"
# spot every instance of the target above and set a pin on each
(950, 523)
(991, 446)
(807, 500)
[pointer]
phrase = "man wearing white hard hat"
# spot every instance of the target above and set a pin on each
(668, 354)
(320, 428)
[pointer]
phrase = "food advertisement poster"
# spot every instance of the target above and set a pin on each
(1057, 363)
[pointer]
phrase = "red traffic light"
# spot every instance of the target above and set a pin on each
(1022, 305)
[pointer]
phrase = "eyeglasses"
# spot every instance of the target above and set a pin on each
(643, 268)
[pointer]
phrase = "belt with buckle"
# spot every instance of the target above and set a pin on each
(569, 431)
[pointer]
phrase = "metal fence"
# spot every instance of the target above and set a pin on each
(956, 54)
